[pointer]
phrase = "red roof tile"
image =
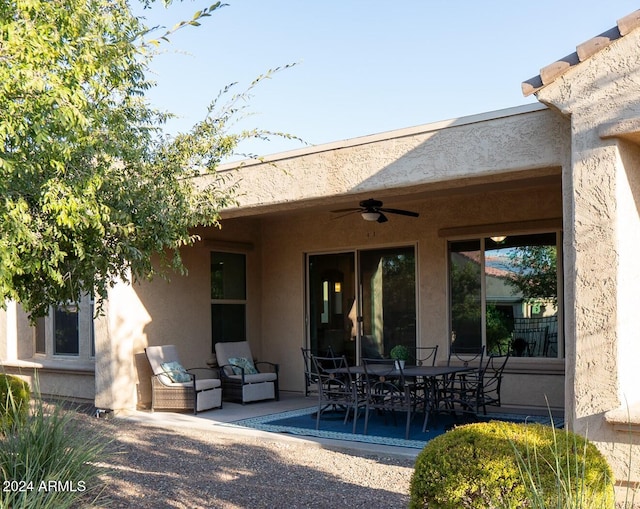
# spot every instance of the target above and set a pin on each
(584, 51)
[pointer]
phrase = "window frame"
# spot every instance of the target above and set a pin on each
(227, 301)
(45, 329)
(481, 234)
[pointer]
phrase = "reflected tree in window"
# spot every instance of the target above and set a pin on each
(535, 272)
(465, 283)
(504, 294)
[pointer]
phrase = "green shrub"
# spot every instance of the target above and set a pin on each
(500, 465)
(50, 461)
(14, 400)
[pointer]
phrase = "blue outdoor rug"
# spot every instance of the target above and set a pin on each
(303, 422)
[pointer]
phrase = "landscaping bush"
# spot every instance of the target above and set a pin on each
(49, 461)
(14, 400)
(508, 465)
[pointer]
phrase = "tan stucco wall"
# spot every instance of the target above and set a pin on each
(176, 311)
(601, 246)
(119, 332)
(70, 384)
(474, 171)
(286, 240)
(491, 146)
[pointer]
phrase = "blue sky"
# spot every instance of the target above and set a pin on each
(365, 67)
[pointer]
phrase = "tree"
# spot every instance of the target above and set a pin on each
(91, 188)
(466, 303)
(535, 273)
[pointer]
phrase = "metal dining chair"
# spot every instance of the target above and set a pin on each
(337, 389)
(389, 392)
(426, 355)
(477, 390)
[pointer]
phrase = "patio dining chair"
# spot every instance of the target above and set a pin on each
(175, 388)
(243, 378)
(337, 389)
(310, 374)
(477, 390)
(529, 342)
(466, 356)
(426, 355)
(389, 392)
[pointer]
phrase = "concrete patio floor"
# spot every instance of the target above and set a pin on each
(219, 421)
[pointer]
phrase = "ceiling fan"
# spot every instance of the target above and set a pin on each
(372, 210)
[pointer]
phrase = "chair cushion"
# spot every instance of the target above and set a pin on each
(225, 351)
(176, 372)
(159, 354)
(244, 363)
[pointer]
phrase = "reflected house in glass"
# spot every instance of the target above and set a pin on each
(558, 180)
(504, 295)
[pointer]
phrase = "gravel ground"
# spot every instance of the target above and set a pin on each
(152, 467)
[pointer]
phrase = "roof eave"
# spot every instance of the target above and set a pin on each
(584, 51)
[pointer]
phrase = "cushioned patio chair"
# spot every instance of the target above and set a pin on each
(175, 388)
(244, 379)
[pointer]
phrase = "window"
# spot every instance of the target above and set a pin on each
(228, 297)
(40, 336)
(66, 332)
(504, 294)
(66, 340)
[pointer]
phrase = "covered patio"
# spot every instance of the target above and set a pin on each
(288, 246)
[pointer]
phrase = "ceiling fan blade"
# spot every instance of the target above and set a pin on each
(351, 209)
(401, 212)
(382, 218)
(345, 212)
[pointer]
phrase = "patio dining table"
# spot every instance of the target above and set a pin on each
(409, 371)
(430, 374)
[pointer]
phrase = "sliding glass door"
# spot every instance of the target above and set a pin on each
(331, 304)
(362, 304)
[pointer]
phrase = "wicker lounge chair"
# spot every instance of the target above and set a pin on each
(176, 388)
(244, 379)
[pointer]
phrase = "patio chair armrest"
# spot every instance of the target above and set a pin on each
(156, 376)
(275, 368)
(210, 371)
(226, 370)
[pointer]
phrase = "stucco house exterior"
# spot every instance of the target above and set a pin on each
(286, 271)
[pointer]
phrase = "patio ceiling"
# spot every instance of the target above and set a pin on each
(405, 197)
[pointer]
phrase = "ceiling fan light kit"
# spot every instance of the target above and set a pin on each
(372, 210)
(371, 216)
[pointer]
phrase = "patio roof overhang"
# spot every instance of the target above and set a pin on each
(518, 147)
